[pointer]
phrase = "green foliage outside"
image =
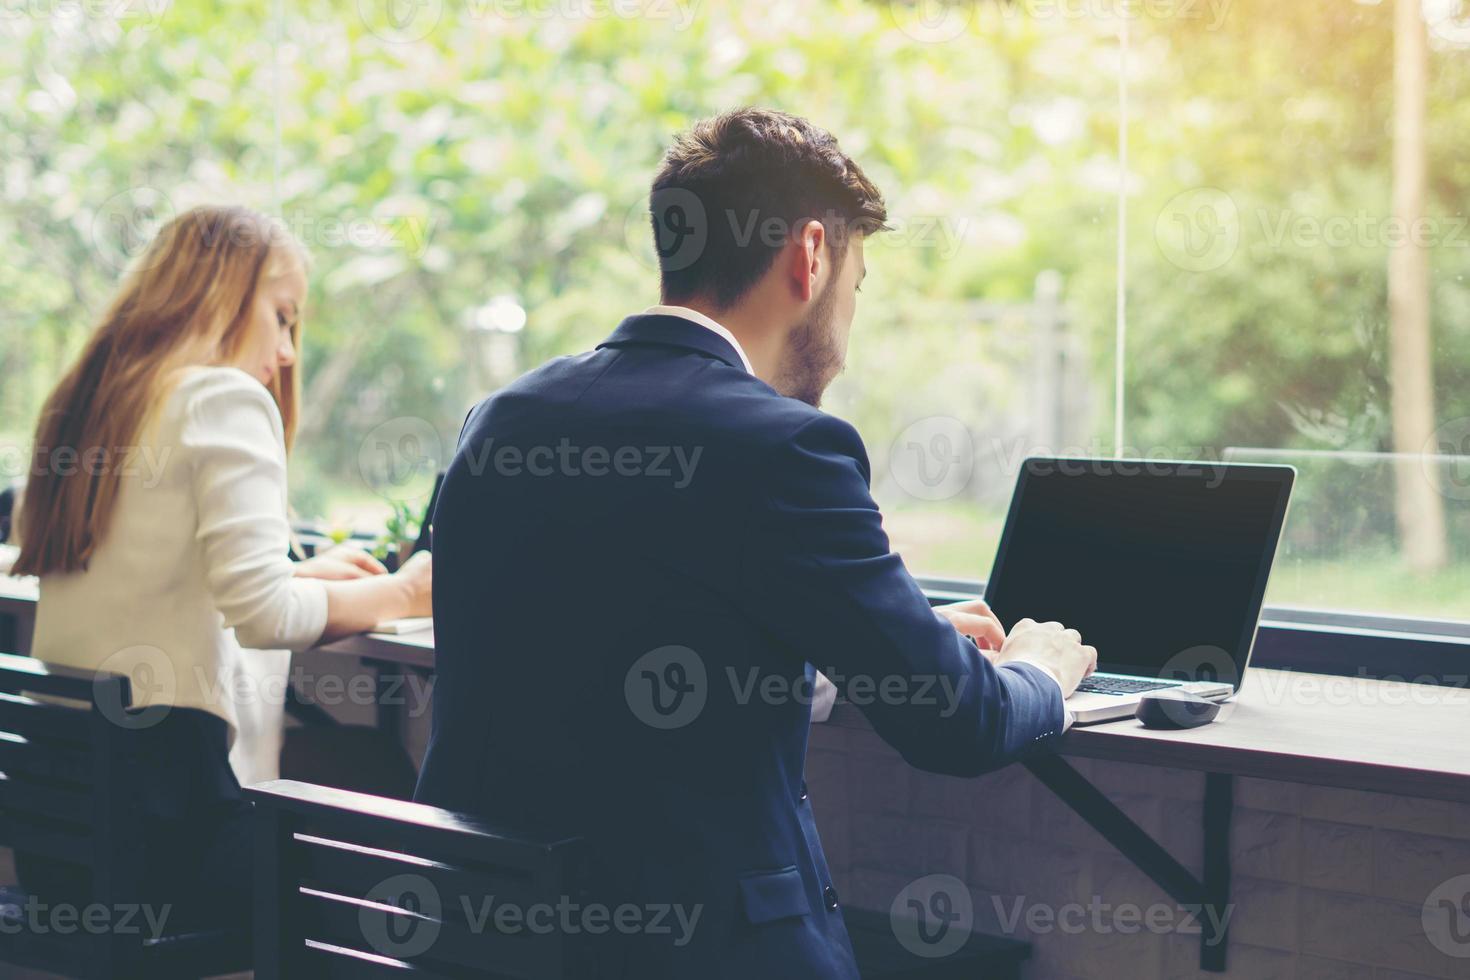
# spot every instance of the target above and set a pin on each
(499, 163)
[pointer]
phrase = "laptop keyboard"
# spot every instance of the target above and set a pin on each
(1121, 685)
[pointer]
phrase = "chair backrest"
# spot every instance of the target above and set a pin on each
(7, 512)
(356, 886)
(64, 778)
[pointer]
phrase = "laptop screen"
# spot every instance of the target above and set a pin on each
(1161, 566)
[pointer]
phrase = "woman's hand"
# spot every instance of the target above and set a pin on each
(358, 606)
(417, 579)
(340, 563)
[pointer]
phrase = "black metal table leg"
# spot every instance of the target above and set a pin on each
(1214, 915)
(391, 688)
(1210, 895)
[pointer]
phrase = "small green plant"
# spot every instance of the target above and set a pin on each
(400, 531)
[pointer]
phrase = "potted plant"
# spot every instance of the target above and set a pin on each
(399, 536)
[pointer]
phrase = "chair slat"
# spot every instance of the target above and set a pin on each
(36, 760)
(21, 796)
(27, 674)
(350, 868)
(25, 716)
(55, 841)
(453, 946)
(337, 963)
(450, 845)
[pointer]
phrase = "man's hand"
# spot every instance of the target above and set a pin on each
(1052, 647)
(974, 619)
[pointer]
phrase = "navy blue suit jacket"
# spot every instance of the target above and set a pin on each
(640, 552)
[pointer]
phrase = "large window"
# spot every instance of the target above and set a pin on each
(1227, 229)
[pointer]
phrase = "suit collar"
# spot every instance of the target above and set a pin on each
(664, 330)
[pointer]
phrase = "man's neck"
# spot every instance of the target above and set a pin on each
(760, 343)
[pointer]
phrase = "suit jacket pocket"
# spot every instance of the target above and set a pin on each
(771, 895)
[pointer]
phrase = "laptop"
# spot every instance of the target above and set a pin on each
(1161, 565)
(425, 540)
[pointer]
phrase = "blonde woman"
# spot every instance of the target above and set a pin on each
(155, 516)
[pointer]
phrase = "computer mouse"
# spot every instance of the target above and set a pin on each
(1173, 708)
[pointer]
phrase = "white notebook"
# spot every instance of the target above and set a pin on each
(398, 626)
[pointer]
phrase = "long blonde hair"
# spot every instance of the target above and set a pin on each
(187, 302)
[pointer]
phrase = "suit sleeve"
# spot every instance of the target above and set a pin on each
(821, 578)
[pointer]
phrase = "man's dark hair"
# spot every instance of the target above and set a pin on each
(733, 189)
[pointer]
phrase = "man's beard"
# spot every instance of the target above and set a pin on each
(812, 358)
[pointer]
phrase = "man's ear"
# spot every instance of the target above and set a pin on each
(808, 259)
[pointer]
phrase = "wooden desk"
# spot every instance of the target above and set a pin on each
(403, 650)
(1350, 732)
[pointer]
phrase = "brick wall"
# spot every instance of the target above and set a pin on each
(1328, 884)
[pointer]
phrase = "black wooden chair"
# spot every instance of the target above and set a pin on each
(65, 777)
(7, 512)
(355, 886)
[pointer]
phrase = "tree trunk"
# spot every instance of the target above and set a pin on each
(1419, 505)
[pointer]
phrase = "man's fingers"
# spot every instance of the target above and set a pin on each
(1091, 660)
(990, 634)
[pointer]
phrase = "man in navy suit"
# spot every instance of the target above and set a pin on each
(644, 552)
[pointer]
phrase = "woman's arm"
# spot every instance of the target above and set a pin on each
(358, 605)
(233, 439)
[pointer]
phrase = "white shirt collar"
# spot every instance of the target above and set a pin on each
(697, 317)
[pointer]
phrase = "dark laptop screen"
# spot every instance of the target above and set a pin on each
(1150, 561)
